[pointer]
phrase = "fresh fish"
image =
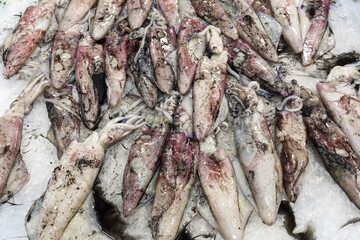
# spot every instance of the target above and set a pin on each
(250, 28)
(73, 179)
(63, 55)
(75, 12)
(89, 74)
(337, 154)
(245, 60)
(170, 9)
(262, 6)
(137, 12)
(286, 13)
(115, 66)
(218, 181)
(173, 185)
(105, 16)
(213, 13)
(145, 154)
(318, 13)
(22, 42)
(64, 115)
(191, 49)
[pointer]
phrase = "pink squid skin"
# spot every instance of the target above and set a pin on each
(75, 12)
(186, 64)
(170, 9)
(25, 38)
(146, 150)
(10, 139)
(243, 58)
(173, 185)
(162, 43)
(115, 67)
(316, 31)
(89, 62)
(137, 12)
(213, 13)
(209, 87)
(63, 55)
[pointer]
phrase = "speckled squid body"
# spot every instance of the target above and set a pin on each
(75, 12)
(137, 12)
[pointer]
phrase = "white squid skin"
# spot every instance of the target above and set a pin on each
(137, 12)
(285, 11)
(105, 16)
(76, 10)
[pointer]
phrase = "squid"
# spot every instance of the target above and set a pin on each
(11, 125)
(137, 12)
(171, 11)
(145, 154)
(89, 75)
(262, 6)
(338, 156)
(105, 16)
(75, 12)
(256, 151)
(72, 180)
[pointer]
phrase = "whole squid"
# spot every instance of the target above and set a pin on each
(337, 154)
(171, 11)
(89, 77)
(22, 42)
(137, 12)
(11, 125)
(75, 12)
(145, 154)
(105, 16)
(64, 115)
(256, 152)
(73, 179)
(318, 13)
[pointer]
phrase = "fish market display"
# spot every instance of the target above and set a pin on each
(171, 119)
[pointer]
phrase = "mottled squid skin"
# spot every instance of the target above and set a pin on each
(162, 43)
(263, 6)
(105, 16)
(89, 70)
(75, 12)
(250, 28)
(63, 55)
(115, 67)
(291, 147)
(318, 16)
(170, 9)
(337, 154)
(213, 13)
(137, 12)
(189, 52)
(208, 89)
(286, 13)
(244, 59)
(218, 181)
(64, 113)
(21, 43)
(175, 180)
(343, 106)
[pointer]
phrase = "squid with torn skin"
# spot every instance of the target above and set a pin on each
(89, 74)
(218, 181)
(213, 13)
(285, 11)
(262, 6)
(138, 10)
(63, 55)
(75, 12)
(105, 16)
(73, 179)
(170, 9)
(190, 50)
(318, 13)
(244, 59)
(337, 154)
(256, 151)
(175, 180)
(250, 28)
(145, 154)
(22, 42)
(64, 115)
(11, 125)
(115, 66)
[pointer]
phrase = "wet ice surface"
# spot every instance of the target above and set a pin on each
(321, 207)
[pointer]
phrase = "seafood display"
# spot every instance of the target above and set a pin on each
(172, 119)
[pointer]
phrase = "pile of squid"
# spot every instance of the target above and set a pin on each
(176, 56)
